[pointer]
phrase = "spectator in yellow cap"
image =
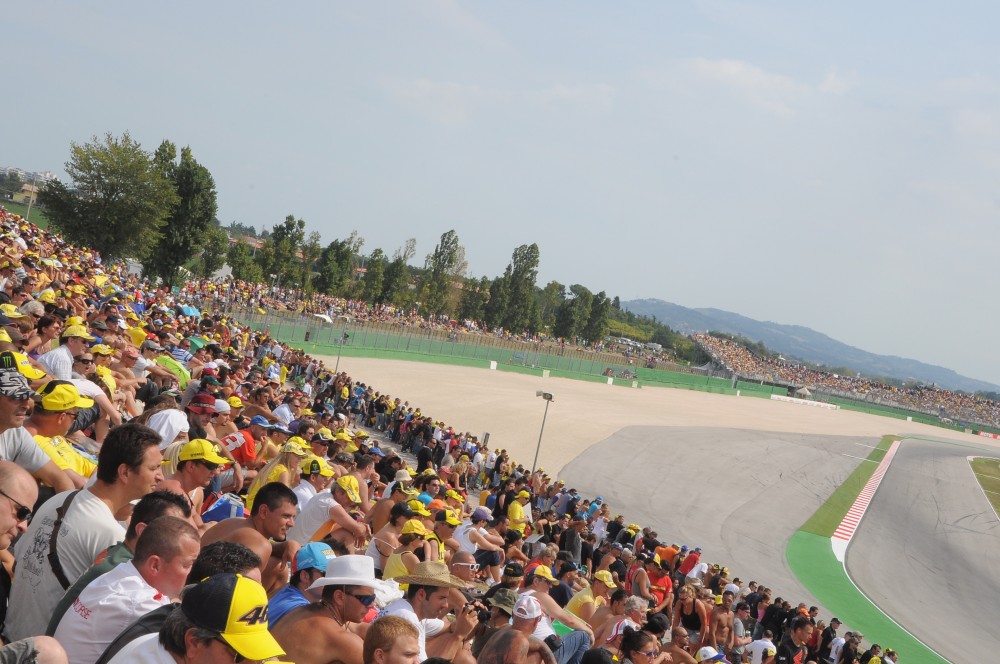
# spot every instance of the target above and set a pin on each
(516, 512)
(332, 513)
(198, 462)
(59, 362)
(586, 602)
(56, 407)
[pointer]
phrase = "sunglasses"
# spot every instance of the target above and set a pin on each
(209, 465)
(85, 360)
(237, 657)
(21, 512)
(472, 566)
(648, 653)
(366, 600)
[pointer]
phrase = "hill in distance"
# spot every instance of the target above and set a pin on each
(803, 343)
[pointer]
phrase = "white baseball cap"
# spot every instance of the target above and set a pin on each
(527, 607)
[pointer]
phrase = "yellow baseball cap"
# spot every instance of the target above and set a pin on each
(414, 526)
(77, 331)
(236, 608)
(102, 349)
(59, 396)
(604, 576)
(349, 483)
(294, 448)
(451, 493)
(312, 465)
(418, 508)
(234, 401)
(200, 449)
(27, 369)
(11, 311)
(543, 572)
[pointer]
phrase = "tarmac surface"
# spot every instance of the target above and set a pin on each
(736, 493)
(928, 551)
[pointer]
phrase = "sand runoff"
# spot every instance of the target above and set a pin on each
(584, 413)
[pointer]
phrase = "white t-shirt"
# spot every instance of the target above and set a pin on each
(283, 413)
(404, 610)
(87, 388)
(315, 513)
(144, 650)
(462, 537)
(58, 362)
(836, 646)
(18, 446)
(88, 528)
(304, 491)
(103, 610)
(698, 571)
(759, 649)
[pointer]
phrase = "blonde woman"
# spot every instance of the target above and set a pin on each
(403, 559)
(278, 470)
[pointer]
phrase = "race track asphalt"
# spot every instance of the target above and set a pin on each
(928, 551)
(738, 494)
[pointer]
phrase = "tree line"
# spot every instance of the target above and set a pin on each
(160, 208)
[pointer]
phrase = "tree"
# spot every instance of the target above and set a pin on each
(442, 264)
(243, 264)
(117, 202)
(310, 253)
(336, 264)
(237, 229)
(616, 304)
(521, 275)
(496, 305)
(185, 232)
(214, 251)
(397, 274)
(472, 306)
(280, 254)
(597, 323)
(10, 183)
(565, 323)
(374, 277)
(551, 297)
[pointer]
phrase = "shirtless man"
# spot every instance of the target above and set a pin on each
(331, 631)
(379, 515)
(678, 641)
(720, 626)
(272, 515)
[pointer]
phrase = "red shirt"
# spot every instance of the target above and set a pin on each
(242, 446)
(690, 561)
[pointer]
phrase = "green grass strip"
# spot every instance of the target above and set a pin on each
(826, 519)
(988, 473)
(811, 559)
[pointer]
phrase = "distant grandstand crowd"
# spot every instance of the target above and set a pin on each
(959, 406)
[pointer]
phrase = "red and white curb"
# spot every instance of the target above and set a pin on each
(845, 531)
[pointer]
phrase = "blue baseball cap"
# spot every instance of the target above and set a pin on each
(314, 555)
(599, 499)
(260, 421)
(281, 428)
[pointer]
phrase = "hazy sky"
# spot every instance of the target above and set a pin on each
(814, 163)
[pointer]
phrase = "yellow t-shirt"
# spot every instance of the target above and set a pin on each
(582, 598)
(516, 511)
(65, 457)
(272, 477)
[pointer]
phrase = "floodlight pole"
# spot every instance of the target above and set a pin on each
(340, 348)
(548, 399)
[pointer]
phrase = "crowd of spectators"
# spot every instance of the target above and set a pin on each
(175, 486)
(956, 406)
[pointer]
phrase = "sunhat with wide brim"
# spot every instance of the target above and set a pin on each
(431, 573)
(349, 571)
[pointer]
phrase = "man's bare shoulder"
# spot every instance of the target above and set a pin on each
(236, 529)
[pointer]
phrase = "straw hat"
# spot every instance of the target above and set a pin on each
(431, 573)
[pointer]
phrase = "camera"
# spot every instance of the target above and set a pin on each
(483, 612)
